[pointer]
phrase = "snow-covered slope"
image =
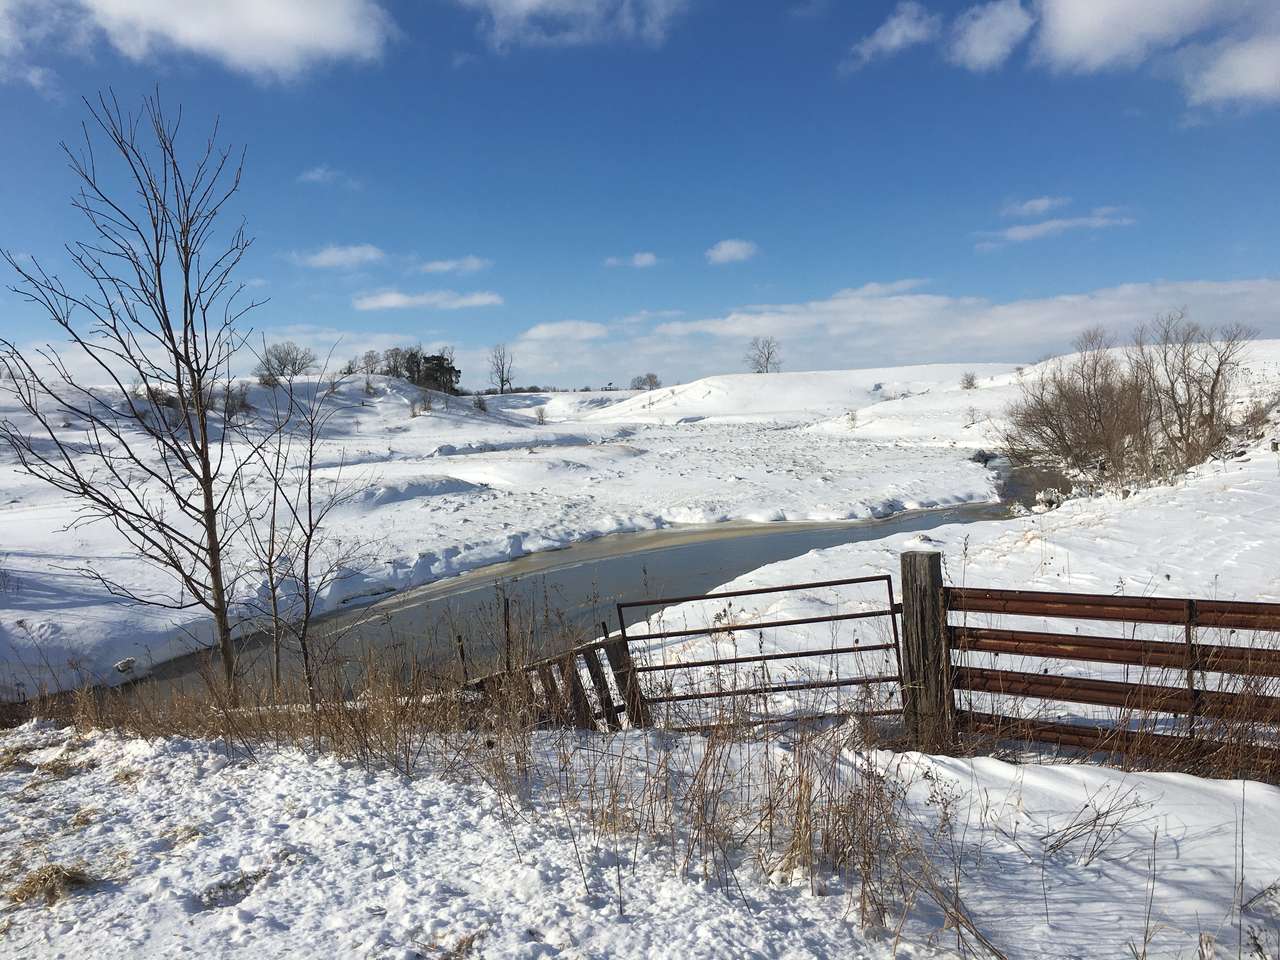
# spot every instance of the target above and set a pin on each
(788, 397)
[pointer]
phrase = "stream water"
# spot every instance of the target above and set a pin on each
(573, 590)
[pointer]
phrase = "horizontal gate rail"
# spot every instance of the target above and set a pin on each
(1110, 739)
(1227, 614)
(1112, 693)
(763, 657)
(1215, 658)
(773, 688)
(759, 625)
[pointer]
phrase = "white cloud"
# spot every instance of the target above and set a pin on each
(983, 37)
(881, 323)
(1100, 218)
(276, 40)
(1091, 35)
(575, 22)
(468, 264)
(1238, 71)
(861, 328)
(1035, 207)
(638, 260)
(732, 251)
(566, 330)
(432, 299)
(340, 257)
(909, 24)
(322, 173)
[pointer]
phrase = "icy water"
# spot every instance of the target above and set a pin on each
(571, 592)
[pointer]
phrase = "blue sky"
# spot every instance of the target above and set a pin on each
(617, 186)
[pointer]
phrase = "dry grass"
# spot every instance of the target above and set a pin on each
(50, 883)
(126, 776)
(13, 758)
(84, 817)
(791, 803)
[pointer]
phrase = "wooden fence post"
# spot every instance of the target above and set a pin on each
(926, 658)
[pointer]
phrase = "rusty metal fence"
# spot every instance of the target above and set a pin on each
(1222, 685)
(946, 676)
(617, 681)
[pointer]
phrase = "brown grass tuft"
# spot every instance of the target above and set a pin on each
(51, 883)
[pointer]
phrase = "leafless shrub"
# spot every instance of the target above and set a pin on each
(540, 414)
(968, 380)
(1086, 414)
(1132, 416)
(1188, 372)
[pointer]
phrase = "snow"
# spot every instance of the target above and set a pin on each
(195, 851)
(457, 488)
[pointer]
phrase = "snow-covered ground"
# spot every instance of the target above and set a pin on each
(189, 852)
(192, 851)
(457, 488)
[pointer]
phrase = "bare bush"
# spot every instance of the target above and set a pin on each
(1188, 372)
(1086, 414)
(1131, 415)
(648, 381)
(968, 380)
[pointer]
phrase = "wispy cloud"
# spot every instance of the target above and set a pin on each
(1236, 71)
(575, 22)
(910, 24)
(1035, 207)
(566, 330)
(468, 264)
(322, 173)
(638, 260)
(732, 251)
(431, 299)
(1100, 218)
(1226, 52)
(867, 324)
(336, 257)
(984, 36)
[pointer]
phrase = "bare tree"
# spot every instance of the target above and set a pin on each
(968, 380)
(369, 361)
(285, 361)
(648, 381)
(501, 367)
(763, 355)
(299, 556)
(1188, 372)
(156, 307)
